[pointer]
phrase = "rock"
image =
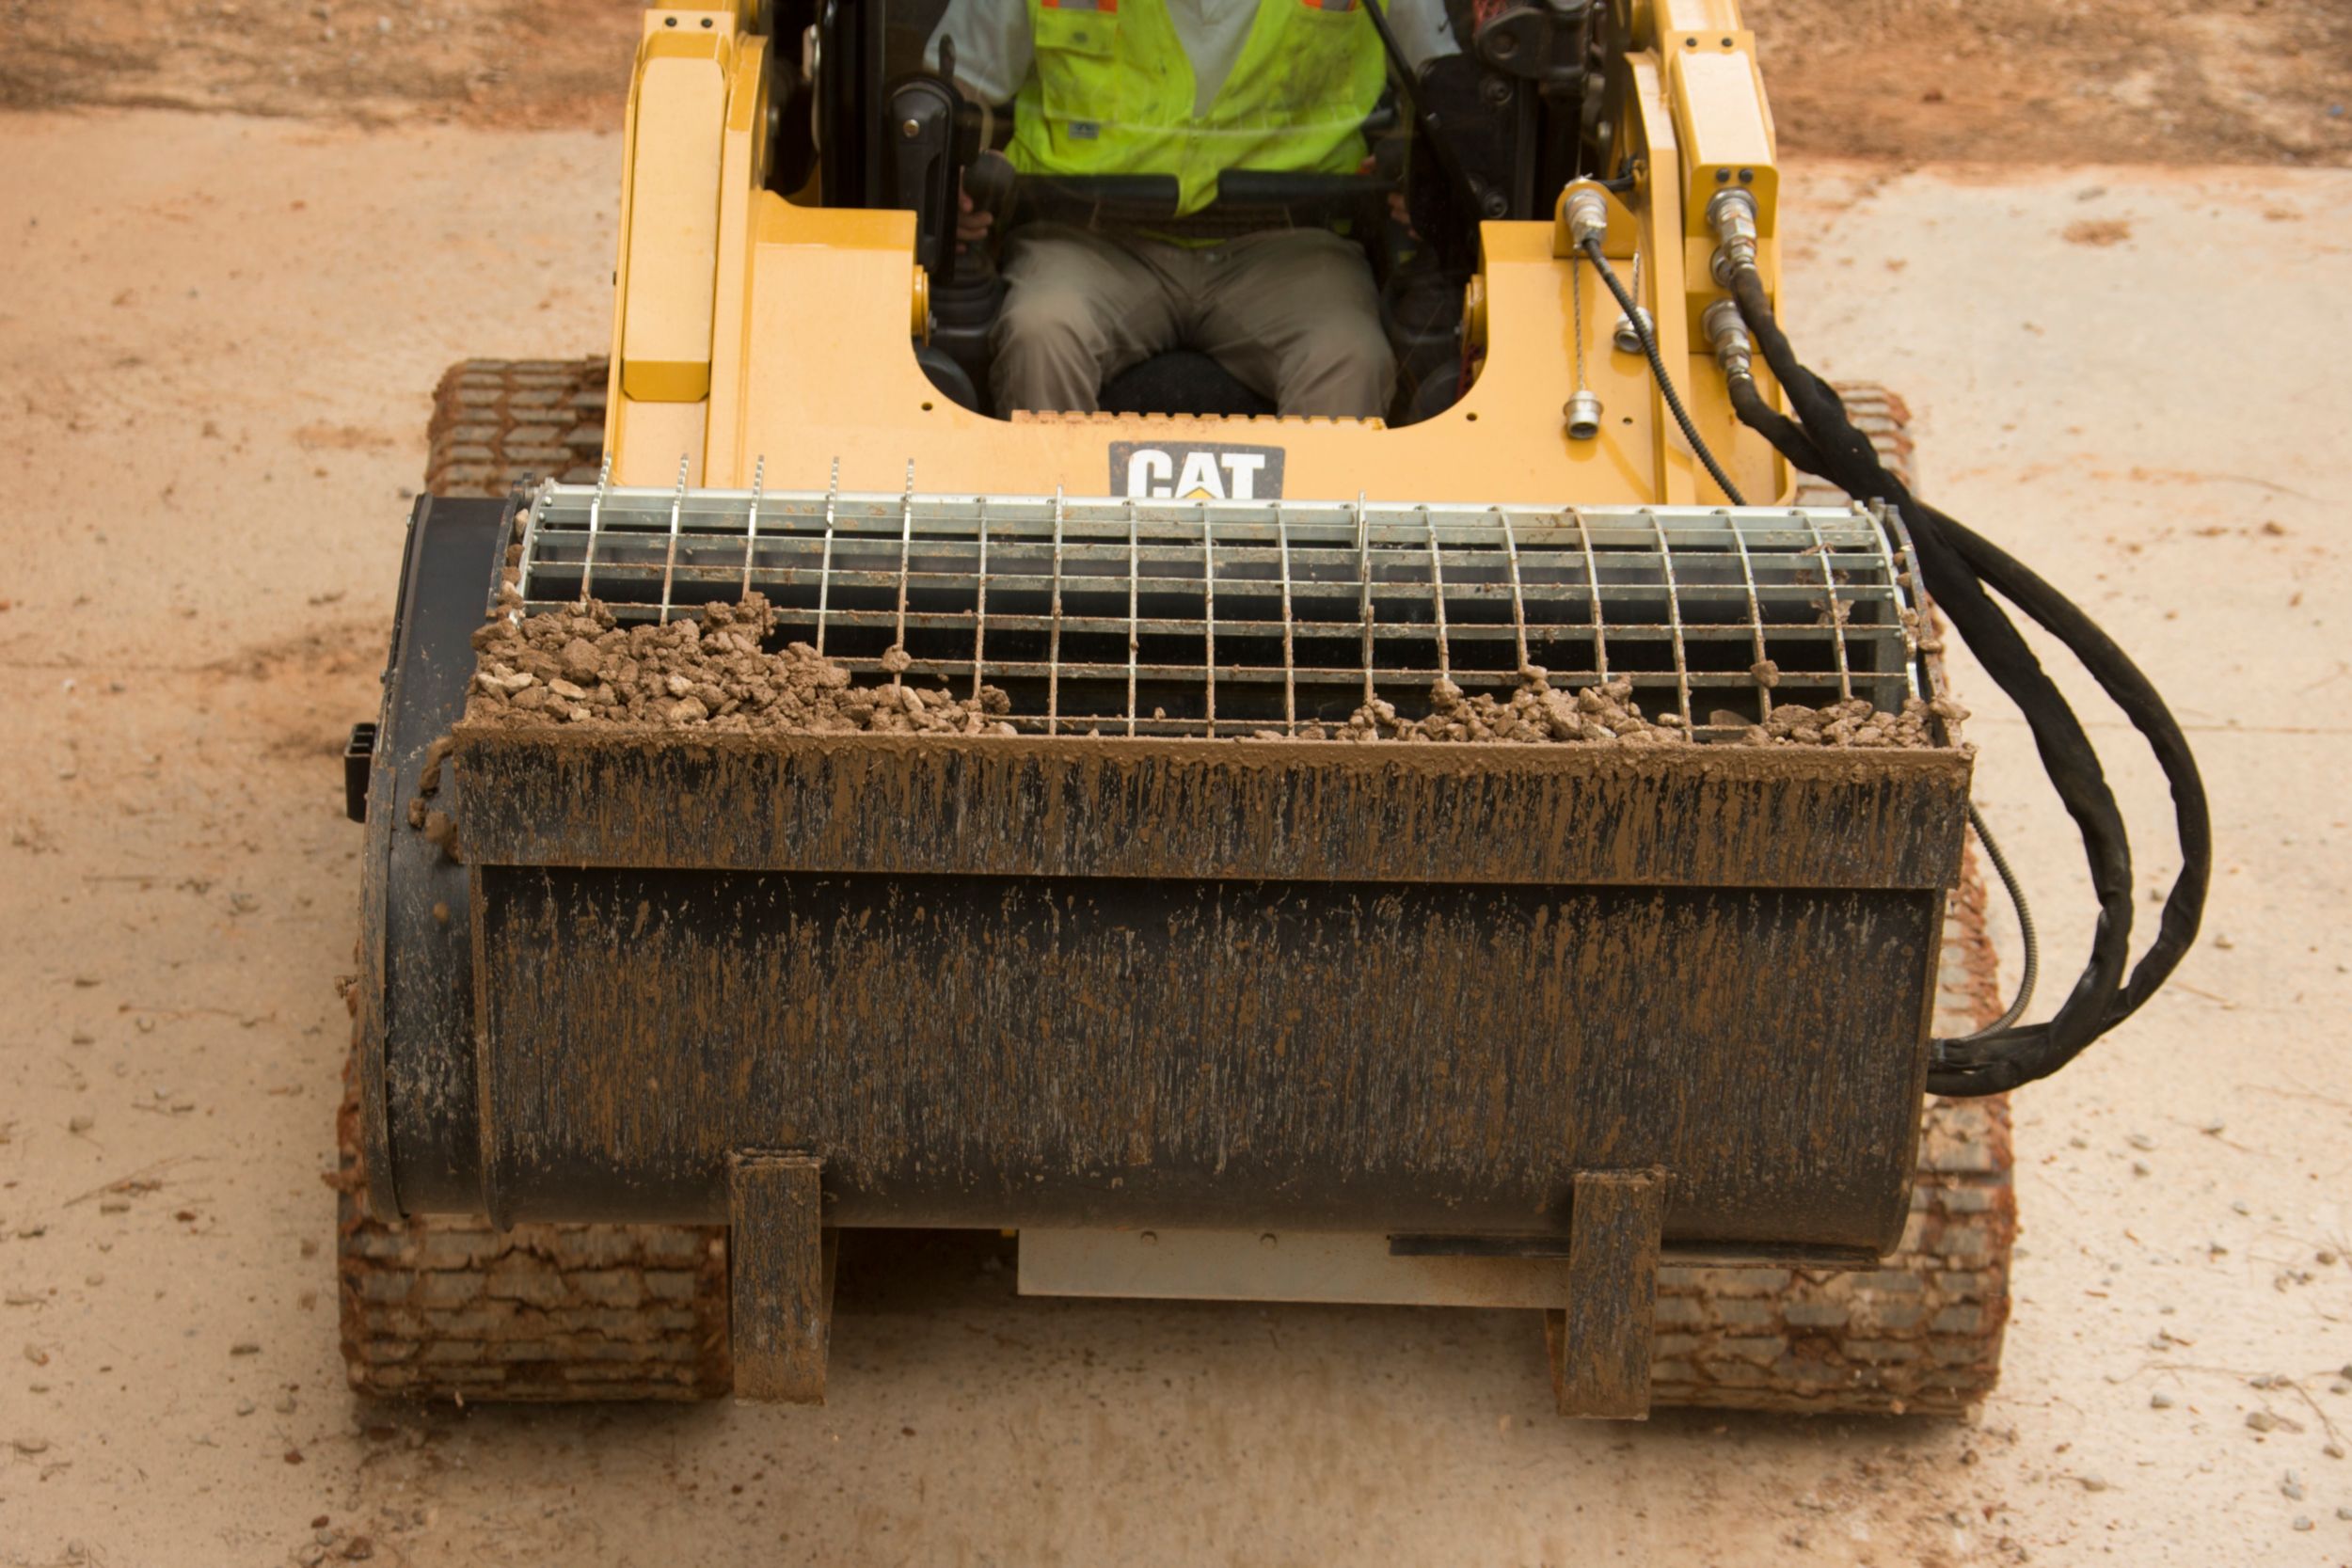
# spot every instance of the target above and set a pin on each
(2092, 1483)
(2141, 1141)
(2303, 1521)
(2260, 1421)
(245, 1408)
(80, 1123)
(2291, 1489)
(29, 1446)
(580, 659)
(2159, 1400)
(244, 1347)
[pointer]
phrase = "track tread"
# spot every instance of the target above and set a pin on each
(497, 422)
(451, 1309)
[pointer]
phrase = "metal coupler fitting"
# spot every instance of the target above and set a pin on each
(1583, 414)
(1732, 215)
(1628, 336)
(1728, 334)
(1587, 214)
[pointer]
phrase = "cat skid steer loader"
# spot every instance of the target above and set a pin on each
(1508, 852)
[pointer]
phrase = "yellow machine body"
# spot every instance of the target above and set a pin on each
(756, 334)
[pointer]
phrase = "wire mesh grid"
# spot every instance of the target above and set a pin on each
(1138, 617)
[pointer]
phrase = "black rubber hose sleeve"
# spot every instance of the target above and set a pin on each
(2123, 683)
(1849, 460)
(1785, 433)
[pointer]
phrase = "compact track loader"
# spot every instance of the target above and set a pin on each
(1507, 853)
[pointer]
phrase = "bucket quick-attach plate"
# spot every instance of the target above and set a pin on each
(1128, 617)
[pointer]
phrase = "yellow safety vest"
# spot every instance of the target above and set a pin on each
(1113, 92)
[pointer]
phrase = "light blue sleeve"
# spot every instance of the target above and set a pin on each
(993, 49)
(1420, 29)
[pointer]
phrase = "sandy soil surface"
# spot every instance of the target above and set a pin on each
(2012, 81)
(220, 371)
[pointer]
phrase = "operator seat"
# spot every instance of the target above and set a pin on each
(1180, 381)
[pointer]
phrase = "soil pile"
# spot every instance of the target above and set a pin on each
(1604, 715)
(1855, 723)
(581, 667)
(1607, 715)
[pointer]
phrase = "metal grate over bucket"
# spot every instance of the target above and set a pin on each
(1141, 617)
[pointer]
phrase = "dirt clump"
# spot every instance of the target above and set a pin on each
(1855, 723)
(1538, 713)
(2097, 231)
(711, 672)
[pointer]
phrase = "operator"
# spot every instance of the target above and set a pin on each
(1185, 89)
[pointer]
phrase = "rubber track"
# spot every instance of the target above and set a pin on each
(498, 421)
(449, 1308)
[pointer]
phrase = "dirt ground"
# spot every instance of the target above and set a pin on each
(221, 342)
(2007, 81)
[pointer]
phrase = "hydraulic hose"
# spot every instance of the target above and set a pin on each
(2029, 971)
(1851, 462)
(1957, 566)
(1784, 432)
(1657, 369)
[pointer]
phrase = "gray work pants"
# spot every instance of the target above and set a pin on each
(1292, 313)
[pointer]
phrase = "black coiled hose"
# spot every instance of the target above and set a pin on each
(1958, 565)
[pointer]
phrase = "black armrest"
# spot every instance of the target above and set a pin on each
(1260, 187)
(1149, 198)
